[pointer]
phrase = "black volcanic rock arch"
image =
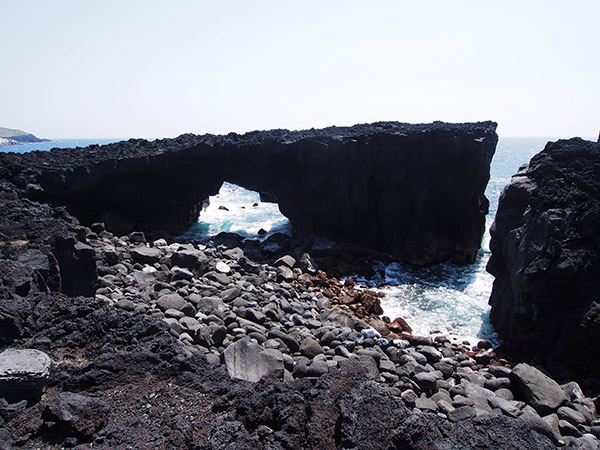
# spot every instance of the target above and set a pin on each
(412, 191)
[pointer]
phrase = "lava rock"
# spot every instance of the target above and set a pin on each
(146, 255)
(546, 263)
(195, 260)
(542, 392)
(23, 374)
(76, 415)
(248, 361)
(310, 348)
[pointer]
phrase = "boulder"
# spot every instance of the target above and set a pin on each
(287, 260)
(146, 255)
(211, 335)
(171, 301)
(180, 273)
(541, 392)
(571, 415)
(461, 413)
(338, 318)
(432, 354)
(23, 374)
(308, 264)
(246, 360)
(310, 348)
(195, 260)
(426, 380)
(305, 367)
(284, 273)
(222, 267)
(207, 305)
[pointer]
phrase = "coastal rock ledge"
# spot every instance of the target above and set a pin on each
(545, 245)
(415, 192)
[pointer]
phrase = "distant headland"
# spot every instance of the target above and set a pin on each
(9, 136)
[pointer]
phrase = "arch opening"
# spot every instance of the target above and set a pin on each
(235, 209)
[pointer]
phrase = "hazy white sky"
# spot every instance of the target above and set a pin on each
(147, 68)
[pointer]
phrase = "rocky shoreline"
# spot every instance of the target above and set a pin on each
(276, 325)
(129, 341)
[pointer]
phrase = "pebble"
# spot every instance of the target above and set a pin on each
(222, 267)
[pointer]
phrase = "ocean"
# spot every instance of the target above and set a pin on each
(58, 143)
(446, 298)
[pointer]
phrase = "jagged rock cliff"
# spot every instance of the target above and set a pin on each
(413, 191)
(546, 259)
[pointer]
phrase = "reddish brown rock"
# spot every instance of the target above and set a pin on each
(370, 303)
(379, 325)
(400, 325)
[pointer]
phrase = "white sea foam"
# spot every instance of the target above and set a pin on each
(238, 210)
(445, 298)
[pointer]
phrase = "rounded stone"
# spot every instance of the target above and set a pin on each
(222, 267)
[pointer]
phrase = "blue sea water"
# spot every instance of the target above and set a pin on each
(444, 298)
(58, 143)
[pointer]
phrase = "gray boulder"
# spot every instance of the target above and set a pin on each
(181, 273)
(194, 260)
(432, 354)
(290, 342)
(508, 407)
(461, 413)
(541, 392)
(207, 305)
(310, 348)
(171, 301)
(426, 380)
(211, 335)
(284, 273)
(146, 255)
(246, 360)
(310, 368)
(23, 374)
(307, 264)
(338, 318)
(287, 260)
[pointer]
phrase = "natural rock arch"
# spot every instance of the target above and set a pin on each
(412, 191)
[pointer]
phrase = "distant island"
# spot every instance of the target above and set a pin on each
(9, 136)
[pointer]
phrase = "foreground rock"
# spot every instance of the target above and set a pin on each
(415, 191)
(542, 393)
(546, 259)
(246, 360)
(23, 374)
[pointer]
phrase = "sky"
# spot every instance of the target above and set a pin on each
(153, 69)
